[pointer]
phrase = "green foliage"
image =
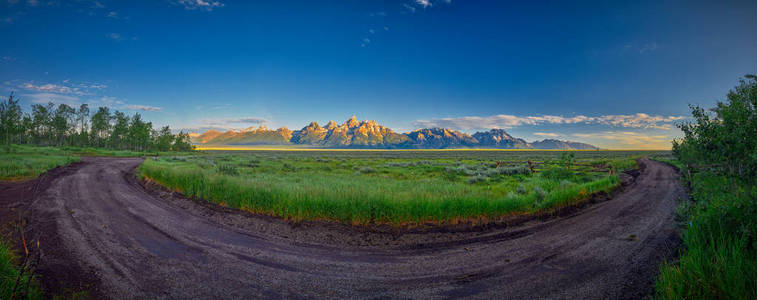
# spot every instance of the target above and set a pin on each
(567, 159)
(9, 272)
(720, 260)
(394, 187)
(718, 157)
(10, 120)
(48, 125)
(227, 169)
(27, 162)
(726, 137)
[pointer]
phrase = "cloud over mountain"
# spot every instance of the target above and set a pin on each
(639, 120)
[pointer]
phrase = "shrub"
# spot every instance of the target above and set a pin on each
(720, 259)
(557, 173)
(227, 169)
(288, 167)
(540, 195)
(477, 178)
(521, 189)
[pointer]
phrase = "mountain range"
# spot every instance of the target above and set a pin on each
(369, 134)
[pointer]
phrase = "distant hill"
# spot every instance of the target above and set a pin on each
(250, 136)
(562, 145)
(499, 138)
(369, 134)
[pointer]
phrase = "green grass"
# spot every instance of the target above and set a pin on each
(720, 238)
(388, 187)
(9, 274)
(27, 162)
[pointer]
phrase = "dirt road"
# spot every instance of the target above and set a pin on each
(142, 243)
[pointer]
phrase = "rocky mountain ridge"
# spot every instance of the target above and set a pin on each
(369, 134)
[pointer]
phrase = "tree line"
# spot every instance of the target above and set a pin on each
(725, 136)
(63, 125)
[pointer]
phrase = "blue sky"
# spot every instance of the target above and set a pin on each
(613, 74)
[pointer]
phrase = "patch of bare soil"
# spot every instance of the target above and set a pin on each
(57, 275)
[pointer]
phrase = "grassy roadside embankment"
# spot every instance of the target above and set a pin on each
(720, 256)
(718, 159)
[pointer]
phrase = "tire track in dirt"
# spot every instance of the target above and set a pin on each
(145, 243)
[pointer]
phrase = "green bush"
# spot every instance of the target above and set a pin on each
(719, 149)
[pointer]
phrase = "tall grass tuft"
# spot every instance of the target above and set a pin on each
(720, 259)
(9, 276)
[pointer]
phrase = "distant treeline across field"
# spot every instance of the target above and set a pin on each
(63, 125)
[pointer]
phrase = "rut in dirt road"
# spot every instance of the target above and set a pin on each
(143, 245)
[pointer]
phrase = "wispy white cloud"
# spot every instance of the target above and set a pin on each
(80, 89)
(55, 88)
(52, 97)
(648, 48)
(424, 3)
(408, 7)
(199, 4)
(252, 120)
(142, 107)
(115, 36)
(546, 134)
(627, 140)
(116, 103)
(639, 120)
(415, 4)
(62, 95)
(226, 124)
(107, 101)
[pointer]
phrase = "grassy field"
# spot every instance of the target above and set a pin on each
(27, 162)
(391, 187)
